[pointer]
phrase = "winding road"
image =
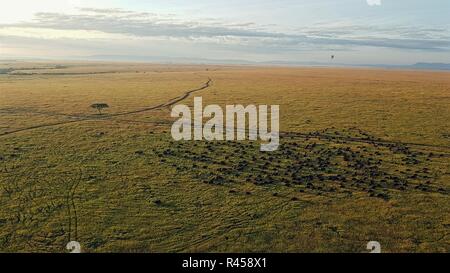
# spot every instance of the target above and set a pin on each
(70, 195)
(77, 119)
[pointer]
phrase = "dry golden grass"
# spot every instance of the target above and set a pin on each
(98, 179)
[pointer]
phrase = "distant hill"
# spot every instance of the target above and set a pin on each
(416, 66)
(193, 60)
(436, 66)
(162, 59)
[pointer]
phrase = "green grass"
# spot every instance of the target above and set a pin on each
(347, 171)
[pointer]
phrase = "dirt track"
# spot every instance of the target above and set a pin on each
(185, 95)
(361, 140)
(77, 119)
(73, 184)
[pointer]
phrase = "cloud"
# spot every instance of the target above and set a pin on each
(141, 24)
(374, 2)
(104, 11)
(91, 26)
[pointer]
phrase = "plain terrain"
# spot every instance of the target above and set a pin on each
(364, 156)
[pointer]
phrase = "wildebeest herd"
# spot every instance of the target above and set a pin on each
(310, 164)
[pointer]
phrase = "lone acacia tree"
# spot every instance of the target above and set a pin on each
(99, 107)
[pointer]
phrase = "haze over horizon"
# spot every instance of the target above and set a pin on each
(394, 32)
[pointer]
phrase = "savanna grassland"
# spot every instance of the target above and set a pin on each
(364, 156)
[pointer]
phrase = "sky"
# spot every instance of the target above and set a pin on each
(393, 32)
